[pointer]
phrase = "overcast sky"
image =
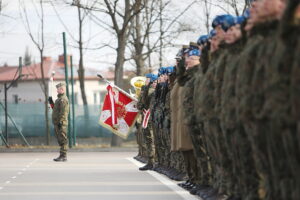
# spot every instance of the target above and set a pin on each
(14, 38)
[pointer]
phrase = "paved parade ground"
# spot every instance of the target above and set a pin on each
(86, 176)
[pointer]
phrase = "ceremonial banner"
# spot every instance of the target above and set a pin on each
(119, 112)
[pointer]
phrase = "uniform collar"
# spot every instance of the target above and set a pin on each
(60, 95)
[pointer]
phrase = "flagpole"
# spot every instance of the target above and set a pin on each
(113, 85)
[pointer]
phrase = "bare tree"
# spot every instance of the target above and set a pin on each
(39, 42)
(153, 31)
(121, 14)
(82, 16)
(206, 12)
(236, 5)
(136, 33)
(141, 33)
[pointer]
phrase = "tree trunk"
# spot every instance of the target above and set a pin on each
(116, 140)
(138, 45)
(47, 119)
(138, 58)
(140, 65)
(81, 67)
(161, 33)
(45, 91)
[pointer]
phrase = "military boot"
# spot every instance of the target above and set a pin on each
(149, 166)
(61, 158)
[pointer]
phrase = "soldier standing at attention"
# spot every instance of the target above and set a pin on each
(60, 120)
(147, 93)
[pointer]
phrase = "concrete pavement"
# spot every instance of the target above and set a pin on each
(86, 176)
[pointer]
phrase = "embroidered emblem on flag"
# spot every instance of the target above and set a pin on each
(119, 112)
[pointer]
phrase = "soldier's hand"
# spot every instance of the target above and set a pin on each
(50, 100)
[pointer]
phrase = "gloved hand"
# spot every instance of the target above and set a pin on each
(50, 100)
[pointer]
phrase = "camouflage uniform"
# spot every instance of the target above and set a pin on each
(166, 145)
(189, 158)
(60, 122)
(189, 119)
(228, 120)
(282, 106)
(203, 108)
(278, 115)
(144, 103)
(250, 177)
(142, 154)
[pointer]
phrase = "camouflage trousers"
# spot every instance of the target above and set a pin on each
(140, 140)
(190, 165)
(149, 142)
(62, 139)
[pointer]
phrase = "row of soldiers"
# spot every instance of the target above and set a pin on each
(226, 118)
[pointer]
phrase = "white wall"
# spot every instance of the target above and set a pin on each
(28, 92)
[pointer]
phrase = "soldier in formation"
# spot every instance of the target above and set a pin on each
(226, 119)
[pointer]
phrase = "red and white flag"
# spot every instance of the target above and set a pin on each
(119, 112)
(146, 118)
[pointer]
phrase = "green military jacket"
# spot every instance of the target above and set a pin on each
(60, 110)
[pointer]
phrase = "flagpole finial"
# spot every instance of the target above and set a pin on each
(100, 76)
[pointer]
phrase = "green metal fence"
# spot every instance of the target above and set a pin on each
(30, 120)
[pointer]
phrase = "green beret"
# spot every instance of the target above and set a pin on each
(60, 85)
(193, 44)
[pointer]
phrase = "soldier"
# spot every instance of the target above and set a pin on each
(170, 160)
(269, 116)
(175, 128)
(204, 45)
(60, 120)
(228, 117)
(207, 108)
(158, 119)
(144, 106)
(184, 142)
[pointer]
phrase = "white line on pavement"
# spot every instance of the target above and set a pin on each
(170, 184)
(20, 173)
